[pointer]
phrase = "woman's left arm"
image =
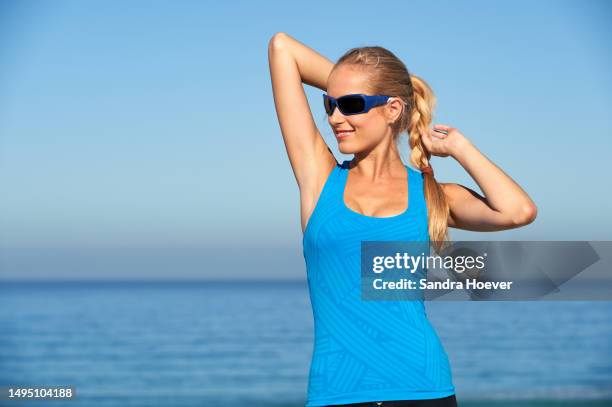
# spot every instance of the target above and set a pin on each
(505, 204)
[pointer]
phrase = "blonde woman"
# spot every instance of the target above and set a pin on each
(382, 353)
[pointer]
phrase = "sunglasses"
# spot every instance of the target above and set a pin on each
(355, 103)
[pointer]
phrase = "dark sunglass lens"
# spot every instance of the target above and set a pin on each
(351, 104)
(327, 103)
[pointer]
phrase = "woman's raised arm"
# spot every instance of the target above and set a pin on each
(291, 64)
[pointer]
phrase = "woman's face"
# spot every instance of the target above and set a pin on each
(366, 129)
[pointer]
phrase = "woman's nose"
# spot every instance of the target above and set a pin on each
(336, 115)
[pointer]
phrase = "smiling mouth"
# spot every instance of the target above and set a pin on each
(342, 134)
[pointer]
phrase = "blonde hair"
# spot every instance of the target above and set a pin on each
(387, 75)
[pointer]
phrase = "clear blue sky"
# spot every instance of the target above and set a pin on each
(151, 125)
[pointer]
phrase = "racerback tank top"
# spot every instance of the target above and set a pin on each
(366, 350)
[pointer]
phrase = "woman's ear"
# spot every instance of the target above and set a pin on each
(394, 109)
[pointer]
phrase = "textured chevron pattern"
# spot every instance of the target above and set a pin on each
(366, 350)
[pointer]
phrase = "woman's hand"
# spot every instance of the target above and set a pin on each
(443, 145)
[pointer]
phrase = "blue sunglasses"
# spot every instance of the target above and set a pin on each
(355, 103)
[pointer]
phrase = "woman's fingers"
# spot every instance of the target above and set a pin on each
(437, 133)
(427, 141)
(435, 143)
(442, 127)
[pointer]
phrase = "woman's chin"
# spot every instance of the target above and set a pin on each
(344, 149)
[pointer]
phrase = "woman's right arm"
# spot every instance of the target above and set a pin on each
(291, 64)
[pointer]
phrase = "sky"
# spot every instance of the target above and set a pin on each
(139, 139)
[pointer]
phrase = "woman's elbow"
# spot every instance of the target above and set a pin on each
(276, 41)
(526, 215)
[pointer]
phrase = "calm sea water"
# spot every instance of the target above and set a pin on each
(239, 344)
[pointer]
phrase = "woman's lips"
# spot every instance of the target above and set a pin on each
(343, 134)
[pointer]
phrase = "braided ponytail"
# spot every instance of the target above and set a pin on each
(437, 206)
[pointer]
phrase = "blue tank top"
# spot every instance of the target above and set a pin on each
(366, 350)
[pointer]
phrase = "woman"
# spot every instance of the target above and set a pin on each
(383, 352)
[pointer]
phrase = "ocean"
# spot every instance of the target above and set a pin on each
(173, 343)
